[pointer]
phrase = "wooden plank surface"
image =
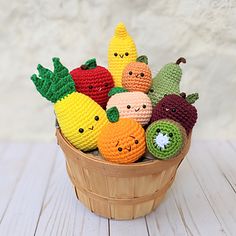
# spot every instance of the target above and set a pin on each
(37, 197)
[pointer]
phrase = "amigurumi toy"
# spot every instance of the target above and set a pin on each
(176, 108)
(133, 105)
(122, 140)
(80, 118)
(93, 81)
(137, 76)
(166, 82)
(165, 139)
(121, 51)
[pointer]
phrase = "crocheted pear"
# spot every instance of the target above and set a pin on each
(137, 76)
(80, 118)
(133, 105)
(121, 51)
(122, 140)
(176, 108)
(165, 139)
(94, 81)
(166, 82)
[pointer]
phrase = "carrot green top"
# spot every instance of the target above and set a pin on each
(54, 85)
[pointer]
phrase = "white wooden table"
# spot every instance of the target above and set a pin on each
(36, 197)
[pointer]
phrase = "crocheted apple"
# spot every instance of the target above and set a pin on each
(133, 105)
(94, 81)
(176, 108)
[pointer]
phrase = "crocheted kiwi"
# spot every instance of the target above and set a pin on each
(166, 82)
(121, 140)
(94, 81)
(176, 108)
(165, 139)
(137, 76)
(133, 105)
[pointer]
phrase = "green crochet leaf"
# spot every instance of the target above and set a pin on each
(192, 98)
(142, 59)
(113, 114)
(54, 85)
(116, 90)
(90, 64)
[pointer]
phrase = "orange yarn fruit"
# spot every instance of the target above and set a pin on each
(137, 76)
(121, 140)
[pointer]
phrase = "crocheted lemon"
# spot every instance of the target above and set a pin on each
(121, 51)
(80, 118)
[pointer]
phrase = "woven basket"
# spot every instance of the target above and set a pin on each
(118, 191)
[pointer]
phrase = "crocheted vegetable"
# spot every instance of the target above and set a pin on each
(166, 81)
(176, 108)
(121, 51)
(122, 140)
(165, 139)
(80, 118)
(137, 76)
(133, 105)
(93, 81)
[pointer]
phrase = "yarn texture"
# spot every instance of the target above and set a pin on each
(165, 139)
(121, 51)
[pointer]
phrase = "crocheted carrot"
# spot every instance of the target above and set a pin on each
(94, 81)
(121, 51)
(80, 118)
(121, 140)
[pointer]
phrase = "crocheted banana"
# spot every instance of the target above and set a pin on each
(121, 51)
(80, 118)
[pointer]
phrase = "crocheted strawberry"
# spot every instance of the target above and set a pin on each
(176, 108)
(94, 81)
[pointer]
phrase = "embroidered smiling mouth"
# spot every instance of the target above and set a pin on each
(121, 55)
(129, 149)
(137, 109)
(91, 128)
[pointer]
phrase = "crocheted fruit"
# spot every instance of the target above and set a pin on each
(80, 118)
(133, 105)
(121, 51)
(137, 76)
(166, 81)
(176, 108)
(94, 81)
(165, 139)
(122, 140)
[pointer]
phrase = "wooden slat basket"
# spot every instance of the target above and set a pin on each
(118, 191)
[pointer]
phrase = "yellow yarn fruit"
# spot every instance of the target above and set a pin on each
(80, 118)
(121, 51)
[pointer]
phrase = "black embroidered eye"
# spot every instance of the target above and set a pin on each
(90, 86)
(126, 54)
(115, 54)
(142, 74)
(106, 84)
(144, 106)
(130, 73)
(136, 141)
(158, 130)
(96, 118)
(128, 106)
(170, 134)
(173, 109)
(119, 149)
(81, 130)
(151, 90)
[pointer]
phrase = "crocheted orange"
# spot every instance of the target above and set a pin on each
(121, 140)
(137, 76)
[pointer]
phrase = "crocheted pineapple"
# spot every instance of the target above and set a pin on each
(165, 139)
(137, 76)
(121, 140)
(93, 81)
(166, 82)
(176, 108)
(80, 118)
(121, 51)
(133, 105)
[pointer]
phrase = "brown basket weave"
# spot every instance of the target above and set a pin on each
(119, 191)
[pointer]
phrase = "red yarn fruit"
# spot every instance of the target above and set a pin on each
(176, 108)
(93, 81)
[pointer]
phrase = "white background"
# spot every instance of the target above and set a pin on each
(33, 32)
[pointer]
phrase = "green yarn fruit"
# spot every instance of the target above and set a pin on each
(165, 139)
(166, 82)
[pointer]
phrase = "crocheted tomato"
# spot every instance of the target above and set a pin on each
(122, 140)
(133, 105)
(176, 108)
(93, 81)
(137, 76)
